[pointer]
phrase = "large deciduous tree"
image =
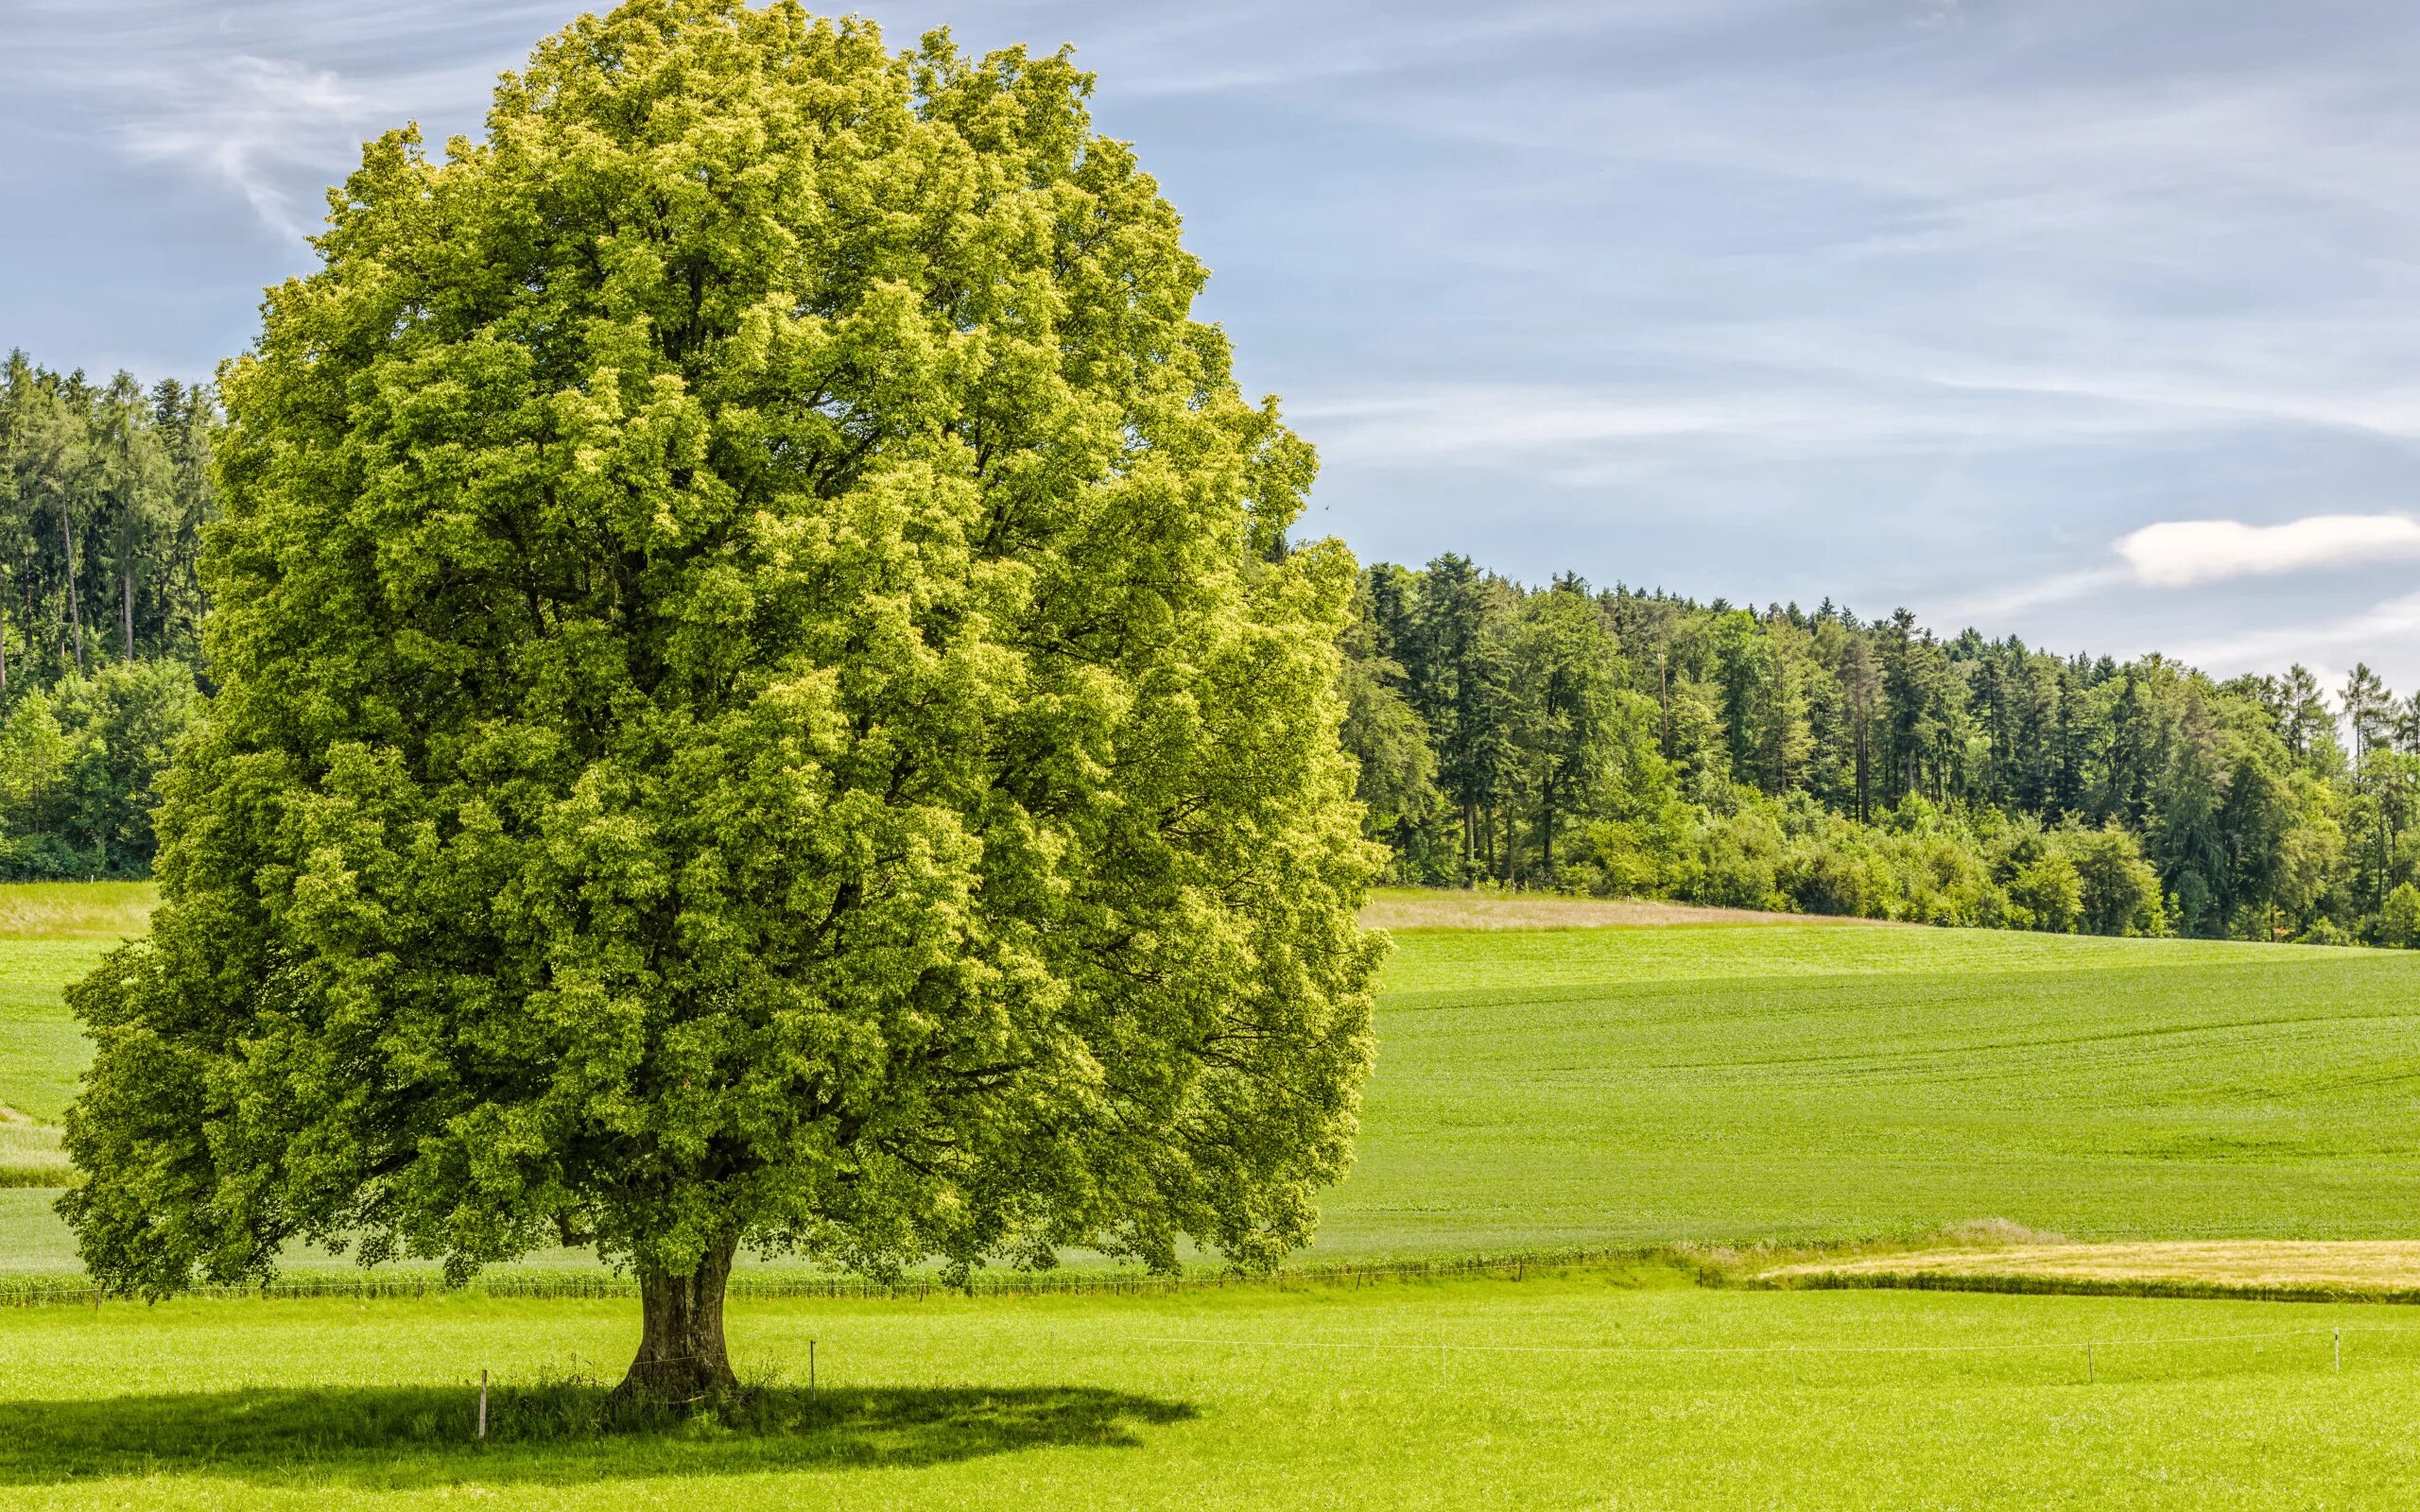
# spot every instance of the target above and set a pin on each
(763, 701)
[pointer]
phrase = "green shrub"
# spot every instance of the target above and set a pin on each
(2399, 919)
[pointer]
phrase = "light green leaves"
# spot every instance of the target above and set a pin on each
(763, 695)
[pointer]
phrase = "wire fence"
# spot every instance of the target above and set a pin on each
(37, 1291)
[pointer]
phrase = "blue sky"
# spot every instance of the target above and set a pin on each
(2089, 320)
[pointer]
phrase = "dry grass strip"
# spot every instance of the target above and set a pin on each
(2383, 1267)
(1441, 908)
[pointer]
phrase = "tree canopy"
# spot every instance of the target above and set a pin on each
(763, 699)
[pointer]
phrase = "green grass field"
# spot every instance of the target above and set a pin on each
(1595, 1391)
(1731, 1083)
(50, 934)
(1536, 1088)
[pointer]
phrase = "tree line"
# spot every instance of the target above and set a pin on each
(104, 492)
(1630, 742)
(1617, 741)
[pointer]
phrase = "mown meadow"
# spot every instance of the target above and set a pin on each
(1728, 1083)
(1538, 1089)
(1606, 1389)
(1731, 1083)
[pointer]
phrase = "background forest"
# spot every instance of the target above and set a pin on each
(1617, 742)
(104, 489)
(1630, 743)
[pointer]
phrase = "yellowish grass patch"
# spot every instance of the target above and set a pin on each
(1444, 908)
(76, 910)
(2252, 1265)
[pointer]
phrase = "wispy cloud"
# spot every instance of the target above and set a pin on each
(270, 101)
(2059, 587)
(1573, 432)
(2322, 642)
(256, 125)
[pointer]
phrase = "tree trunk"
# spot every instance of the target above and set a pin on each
(1856, 746)
(125, 613)
(75, 613)
(681, 1353)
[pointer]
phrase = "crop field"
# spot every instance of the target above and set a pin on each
(1597, 1390)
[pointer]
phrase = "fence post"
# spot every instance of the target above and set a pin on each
(2340, 1348)
(810, 1372)
(2088, 1375)
(483, 1404)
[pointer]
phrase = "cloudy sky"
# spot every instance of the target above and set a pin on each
(2089, 320)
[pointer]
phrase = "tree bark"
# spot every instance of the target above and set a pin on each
(75, 613)
(125, 613)
(681, 1353)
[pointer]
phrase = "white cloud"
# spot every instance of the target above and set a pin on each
(2197, 553)
(270, 100)
(2184, 553)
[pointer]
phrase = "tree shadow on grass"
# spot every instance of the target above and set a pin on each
(408, 1437)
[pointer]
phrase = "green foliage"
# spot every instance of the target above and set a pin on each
(762, 698)
(1395, 773)
(104, 494)
(2051, 893)
(2116, 890)
(78, 763)
(2399, 920)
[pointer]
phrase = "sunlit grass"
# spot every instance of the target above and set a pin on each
(1729, 1084)
(1623, 1389)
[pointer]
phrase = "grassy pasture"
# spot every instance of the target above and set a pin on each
(1538, 1085)
(51, 933)
(1788, 1082)
(1546, 1087)
(1595, 1390)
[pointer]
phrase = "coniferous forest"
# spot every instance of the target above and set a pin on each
(1615, 742)
(1634, 743)
(104, 489)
